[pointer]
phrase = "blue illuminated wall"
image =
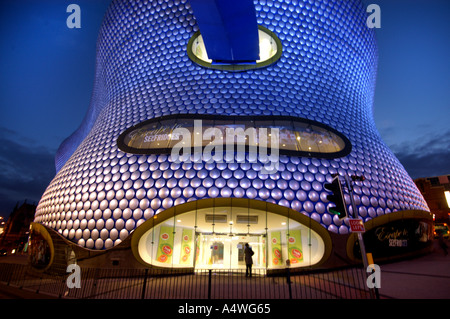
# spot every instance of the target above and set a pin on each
(326, 73)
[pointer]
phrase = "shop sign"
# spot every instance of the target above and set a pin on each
(356, 225)
(397, 237)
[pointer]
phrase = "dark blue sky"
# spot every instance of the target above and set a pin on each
(47, 73)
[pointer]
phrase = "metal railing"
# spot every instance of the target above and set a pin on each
(349, 283)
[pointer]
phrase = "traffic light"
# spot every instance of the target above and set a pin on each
(340, 209)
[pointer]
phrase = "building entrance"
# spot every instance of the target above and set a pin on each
(226, 251)
(212, 233)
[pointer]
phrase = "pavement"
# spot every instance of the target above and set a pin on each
(424, 277)
(421, 278)
(8, 292)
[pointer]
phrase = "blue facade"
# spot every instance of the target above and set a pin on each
(326, 73)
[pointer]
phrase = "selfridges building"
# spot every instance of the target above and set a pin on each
(217, 123)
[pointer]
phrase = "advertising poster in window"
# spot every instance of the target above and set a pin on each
(263, 250)
(165, 247)
(186, 247)
(198, 241)
(295, 249)
(276, 248)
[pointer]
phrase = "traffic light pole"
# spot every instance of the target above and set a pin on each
(362, 247)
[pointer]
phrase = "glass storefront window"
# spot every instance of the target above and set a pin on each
(40, 245)
(214, 238)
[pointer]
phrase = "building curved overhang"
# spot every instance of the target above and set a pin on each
(392, 236)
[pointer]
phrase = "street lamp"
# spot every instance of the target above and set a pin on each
(447, 197)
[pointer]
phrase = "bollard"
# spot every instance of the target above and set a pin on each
(209, 283)
(288, 277)
(144, 285)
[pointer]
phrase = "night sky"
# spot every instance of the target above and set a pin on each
(47, 74)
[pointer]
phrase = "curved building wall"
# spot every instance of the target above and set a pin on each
(326, 73)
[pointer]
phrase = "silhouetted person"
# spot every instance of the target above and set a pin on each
(443, 244)
(248, 253)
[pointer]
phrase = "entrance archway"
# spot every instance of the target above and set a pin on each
(211, 233)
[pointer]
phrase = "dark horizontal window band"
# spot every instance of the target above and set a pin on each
(158, 151)
(237, 120)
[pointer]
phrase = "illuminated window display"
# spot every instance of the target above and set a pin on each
(39, 251)
(269, 52)
(40, 248)
(289, 135)
(214, 237)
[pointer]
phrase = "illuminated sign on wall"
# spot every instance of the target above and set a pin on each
(397, 237)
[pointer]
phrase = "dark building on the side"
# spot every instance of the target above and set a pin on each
(436, 192)
(17, 228)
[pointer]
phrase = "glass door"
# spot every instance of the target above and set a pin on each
(225, 251)
(217, 253)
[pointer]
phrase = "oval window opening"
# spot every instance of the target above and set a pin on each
(259, 134)
(269, 52)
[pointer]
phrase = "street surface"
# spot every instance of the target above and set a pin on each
(424, 277)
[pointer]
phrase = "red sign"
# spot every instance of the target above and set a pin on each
(356, 225)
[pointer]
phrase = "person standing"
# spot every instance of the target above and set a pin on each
(248, 253)
(443, 244)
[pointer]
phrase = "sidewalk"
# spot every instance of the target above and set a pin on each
(8, 292)
(426, 277)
